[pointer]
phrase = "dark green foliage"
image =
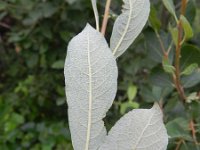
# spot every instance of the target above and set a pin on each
(33, 39)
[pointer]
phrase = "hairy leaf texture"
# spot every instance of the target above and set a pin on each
(91, 84)
(140, 129)
(129, 24)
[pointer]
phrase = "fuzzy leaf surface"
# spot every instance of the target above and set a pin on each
(129, 25)
(140, 129)
(91, 84)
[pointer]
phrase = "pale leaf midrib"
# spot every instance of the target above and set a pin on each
(90, 95)
(140, 137)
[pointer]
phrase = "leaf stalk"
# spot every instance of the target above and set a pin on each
(106, 17)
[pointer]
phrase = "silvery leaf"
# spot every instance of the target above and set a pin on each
(91, 84)
(96, 14)
(140, 129)
(128, 25)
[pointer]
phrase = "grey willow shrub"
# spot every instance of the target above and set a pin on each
(91, 84)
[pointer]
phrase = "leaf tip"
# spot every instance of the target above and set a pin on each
(156, 107)
(89, 27)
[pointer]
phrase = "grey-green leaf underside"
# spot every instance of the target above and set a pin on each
(91, 84)
(140, 129)
(129, 24)
(96, 14)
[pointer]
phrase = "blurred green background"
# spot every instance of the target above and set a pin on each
(33, 39)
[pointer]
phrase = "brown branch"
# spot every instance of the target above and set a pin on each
(193, 131)
(179, 144)
(177, 64)
(106, 16)
(183, 6)
(178, 53)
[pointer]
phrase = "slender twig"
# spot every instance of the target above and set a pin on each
(178, 53)
(106, 16)
(179, 144)
(176, 75)
(193, 130)
(5, 25)
(183, 6)
(177, 64)
(169, 48)
(161, 44)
